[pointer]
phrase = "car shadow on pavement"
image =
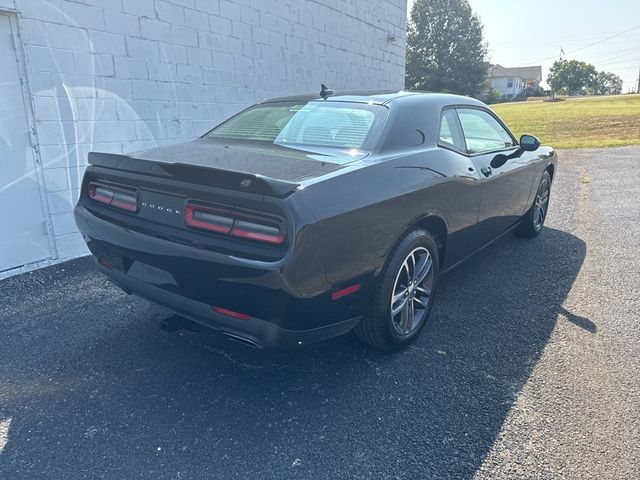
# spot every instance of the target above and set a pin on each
(127, 400)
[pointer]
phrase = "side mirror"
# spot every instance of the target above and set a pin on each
(529, 143)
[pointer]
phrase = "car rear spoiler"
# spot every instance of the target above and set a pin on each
(197, 174)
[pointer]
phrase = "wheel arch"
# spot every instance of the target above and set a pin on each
(432, 223)
(551, 169)
(437, 227)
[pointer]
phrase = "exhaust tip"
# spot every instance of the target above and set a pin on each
(242, 340)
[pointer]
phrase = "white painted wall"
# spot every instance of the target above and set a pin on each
(502, 85)
(122, 75)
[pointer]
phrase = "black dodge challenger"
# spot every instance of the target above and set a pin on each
(302, 218)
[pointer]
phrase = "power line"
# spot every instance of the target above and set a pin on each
(567, 44)
(626, 76)
(552, 42)
(586, 46)
(622, 63)
(573, 36)
(604, 40)
(624, 56)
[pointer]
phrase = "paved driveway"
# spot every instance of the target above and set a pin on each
(529, 369)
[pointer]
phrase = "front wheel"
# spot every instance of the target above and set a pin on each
(533, 220)
(404, 293)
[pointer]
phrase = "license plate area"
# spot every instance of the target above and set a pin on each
(150, 274)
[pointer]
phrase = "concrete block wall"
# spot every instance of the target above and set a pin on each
(124, 75)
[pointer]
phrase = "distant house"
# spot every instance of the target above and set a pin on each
(511, 81)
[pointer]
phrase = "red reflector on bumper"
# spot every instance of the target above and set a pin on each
(105, 263)
(345, 291)
(230, 313)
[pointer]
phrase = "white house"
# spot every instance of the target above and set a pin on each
(511, 81)
(123, 75)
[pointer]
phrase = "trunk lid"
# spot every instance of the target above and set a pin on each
(244, 192)
(266, 170)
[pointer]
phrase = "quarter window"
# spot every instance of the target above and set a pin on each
(482, 132)
(450, 134)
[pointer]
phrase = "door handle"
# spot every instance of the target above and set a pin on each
(486, 171)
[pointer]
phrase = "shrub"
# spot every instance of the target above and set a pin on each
(492, 96)
(529, 91)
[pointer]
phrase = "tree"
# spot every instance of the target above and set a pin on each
(606, 83)
(571, 77)
(445, 48)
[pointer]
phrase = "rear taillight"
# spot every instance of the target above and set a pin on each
(115, 196)
(260, 229)
(236, 224)
(206, 218)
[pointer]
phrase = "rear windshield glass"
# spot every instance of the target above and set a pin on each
(319, 124)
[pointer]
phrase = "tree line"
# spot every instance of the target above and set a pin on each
(573, 77)
(446, 52)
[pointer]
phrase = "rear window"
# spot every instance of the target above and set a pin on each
(318, 124)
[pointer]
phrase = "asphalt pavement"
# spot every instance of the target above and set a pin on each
(529, 368)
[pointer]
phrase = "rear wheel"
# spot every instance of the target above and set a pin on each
(404, 294)
(533, 220)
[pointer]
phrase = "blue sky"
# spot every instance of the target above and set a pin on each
(523, 33)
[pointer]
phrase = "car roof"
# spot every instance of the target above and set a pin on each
(380, 97)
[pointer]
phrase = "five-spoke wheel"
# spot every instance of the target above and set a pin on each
(541, 204)
(533, 221)
(411, 291)
(404, 293)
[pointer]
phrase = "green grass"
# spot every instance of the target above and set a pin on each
(609, 121)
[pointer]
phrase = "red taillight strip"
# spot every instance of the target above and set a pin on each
(235, 224)
(125, 201)
(230, 313)
(257, 229)
(275, 239)
(190, 219)
(113, 196)
(100, 194)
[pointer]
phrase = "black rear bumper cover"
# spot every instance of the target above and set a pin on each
(318, 317)
(255, 331)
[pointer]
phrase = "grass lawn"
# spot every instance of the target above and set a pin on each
(608, 121)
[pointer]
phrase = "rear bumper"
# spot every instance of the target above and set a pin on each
(288, 302)
(255, 331)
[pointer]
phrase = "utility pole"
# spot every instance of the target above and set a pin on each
(638, 89)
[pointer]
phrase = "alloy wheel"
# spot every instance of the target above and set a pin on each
(410, 298)
(541, 204)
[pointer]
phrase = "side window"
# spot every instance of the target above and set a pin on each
(450, 134)
(482, 132)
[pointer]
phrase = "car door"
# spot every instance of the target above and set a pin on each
(464, 203)
(505, 173)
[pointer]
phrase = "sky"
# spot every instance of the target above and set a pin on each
(522, 33)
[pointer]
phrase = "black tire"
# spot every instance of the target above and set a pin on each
(380, 328)
(533, 221)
